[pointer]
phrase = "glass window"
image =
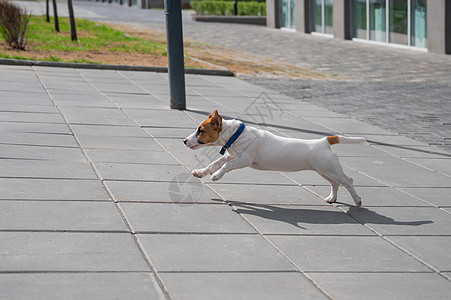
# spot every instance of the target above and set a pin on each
(316, 15)
(418, 29)
(377, 20)
(359, 19)
(398, 21)
(283, 13)
(328, 18)
(293, 14)
(287, 14)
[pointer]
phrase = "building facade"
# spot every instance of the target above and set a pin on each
(417, 24)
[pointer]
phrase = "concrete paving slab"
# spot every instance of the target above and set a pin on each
(300, 220)
(106, 130)
(29, 108)
(38, 139)
(130, 156)
(267, 194)
(66, 87)
(160, 118)
(51, 189)
(266, 285)
(373, 196)
(38, 152)
(174, 191)
(178, 218)
(31, 117)
(313, 178)
(46, 169)
(57, 71)
(348, 126)
(79, 97)
(121, 143)
(442, 165)
(403, 220)
(88, 103)
(192, 158)
(34, 127)
(47, 215)
(96, 116)
(286, 124)
(367, 286)
(212, 253)
(95, 286)
(117, 87)
(405, 174)
(415, 151)
(117, 171)
(434, 196)
(137, 101)
(427, 248)
(66, 252)
(392, 140)
(173, 133)
(100, 74)
(345, 254)
(25, 98)
(31, 86)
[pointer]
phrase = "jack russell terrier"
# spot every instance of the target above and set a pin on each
(259, 149)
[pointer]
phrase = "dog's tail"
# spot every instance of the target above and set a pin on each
(338, 139)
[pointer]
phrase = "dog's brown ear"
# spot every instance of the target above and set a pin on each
(216, 120)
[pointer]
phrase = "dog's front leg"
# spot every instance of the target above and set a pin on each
(212, 167)
(236, 163)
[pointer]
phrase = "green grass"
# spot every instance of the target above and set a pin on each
(91, 36)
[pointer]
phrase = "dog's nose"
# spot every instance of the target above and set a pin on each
(185, 141)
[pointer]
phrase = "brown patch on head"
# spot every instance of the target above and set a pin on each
(209, 129)
(333, 139)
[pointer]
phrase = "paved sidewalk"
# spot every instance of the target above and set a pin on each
(404, 91)
(97, 201)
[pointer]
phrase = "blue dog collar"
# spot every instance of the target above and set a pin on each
(233, 138)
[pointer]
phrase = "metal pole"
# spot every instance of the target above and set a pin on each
(174, 40)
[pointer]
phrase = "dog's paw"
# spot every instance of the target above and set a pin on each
(360, 203)
(216, 176)
(199, 173)
(330, 199)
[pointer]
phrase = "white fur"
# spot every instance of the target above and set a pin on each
(262, 150)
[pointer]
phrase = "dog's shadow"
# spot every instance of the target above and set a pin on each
(297, 216)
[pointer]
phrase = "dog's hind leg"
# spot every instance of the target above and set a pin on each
(332, 169)
(347, 182)
(333, 190)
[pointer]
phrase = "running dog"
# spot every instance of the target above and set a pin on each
(247, 146)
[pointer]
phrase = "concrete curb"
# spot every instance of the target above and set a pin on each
(19, 62)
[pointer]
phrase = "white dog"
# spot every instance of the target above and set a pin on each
(259, 149)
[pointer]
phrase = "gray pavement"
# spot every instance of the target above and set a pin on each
(403, 91)
(96, 199)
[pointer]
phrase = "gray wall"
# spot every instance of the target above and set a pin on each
(439, 26)
(438, 21)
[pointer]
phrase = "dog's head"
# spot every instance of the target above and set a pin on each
(207, 133)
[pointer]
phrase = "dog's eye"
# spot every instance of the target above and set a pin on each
(200, 131)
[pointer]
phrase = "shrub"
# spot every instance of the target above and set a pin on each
(13, 24)
(225, 8)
